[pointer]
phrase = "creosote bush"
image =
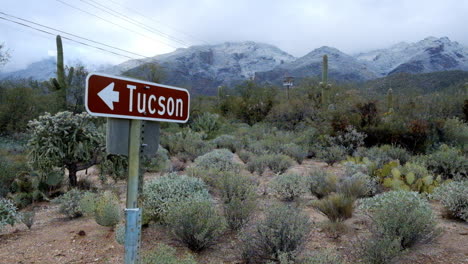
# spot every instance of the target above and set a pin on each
(336, 206)
(332, 154)
(227, 142)
(69, 203)
(238, 195)
(162, 191)
(289, 186)
(281, 233)
(454, 197)
(195, 222)
(448, 162)
(164, 254)
(278, 163)
(107, 211)
(402, 215)
(321, 183)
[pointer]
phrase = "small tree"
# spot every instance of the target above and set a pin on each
(65, 141)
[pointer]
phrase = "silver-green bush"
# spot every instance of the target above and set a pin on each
(69, 203)
(321, 183)
(238, 195)
(227, 142)
(454, 197)
(164, 254)
(107, 211)
(160, 192)
(281, 233)
(159, 163)
(195, 222)
(402, 215)
(448, 162)
(8, 213)
(289, 186)
(218, 159)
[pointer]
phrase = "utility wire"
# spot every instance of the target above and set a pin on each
(76, 36)
(67, 38)
(115, 24)
(159, 22)
(133, 21)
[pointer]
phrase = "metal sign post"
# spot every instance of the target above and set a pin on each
(126, 102)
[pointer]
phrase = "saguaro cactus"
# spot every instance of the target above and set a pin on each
(390, 100)
(62, 82)
(324, 83)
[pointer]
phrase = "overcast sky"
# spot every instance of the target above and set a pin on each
(295, 26)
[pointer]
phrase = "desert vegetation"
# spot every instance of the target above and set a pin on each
(253, 177)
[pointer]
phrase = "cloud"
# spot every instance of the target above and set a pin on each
(296, 26)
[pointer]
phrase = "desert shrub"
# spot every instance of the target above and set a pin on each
(218, 159)
(289, 186)
(294, 151)
(195, 222)
(361, 171)
(238, 195)
(336, 206)
(307, 139)
(159, 163)
(448, 162)
(321, 183)
(87, 203)
(206, 123)
(377, 249)
(402, 215)
(455, 132)
(120, 233)
(332, 154)
(384, 154)
(27, 218)
(186, 144)
(245, 155)
(323, 257)
(8, 173)
(160, 192)
(69, 203)
(278, 163)
(350, 140)
(454, 197)
(282, 231)
(8, 213)
(291, 113)
(164, 254)
(227, 142)
(107, 211)
(357, 185)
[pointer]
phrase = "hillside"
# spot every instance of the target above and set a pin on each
(420, 83)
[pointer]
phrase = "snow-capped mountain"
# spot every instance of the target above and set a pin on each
(208, 66)
(205, 67)
(428, 55)
(41, 70)
(341, 67)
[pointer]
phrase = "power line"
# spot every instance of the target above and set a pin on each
(133, 21)
(76, 36)
(67, 38)
(115, 24)
(159, 22)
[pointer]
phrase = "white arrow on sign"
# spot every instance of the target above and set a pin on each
(109, 96)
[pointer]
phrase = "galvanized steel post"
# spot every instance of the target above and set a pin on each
(133, 214)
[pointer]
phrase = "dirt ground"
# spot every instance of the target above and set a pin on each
(55, 239)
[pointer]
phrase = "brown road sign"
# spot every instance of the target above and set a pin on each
(119, 97)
